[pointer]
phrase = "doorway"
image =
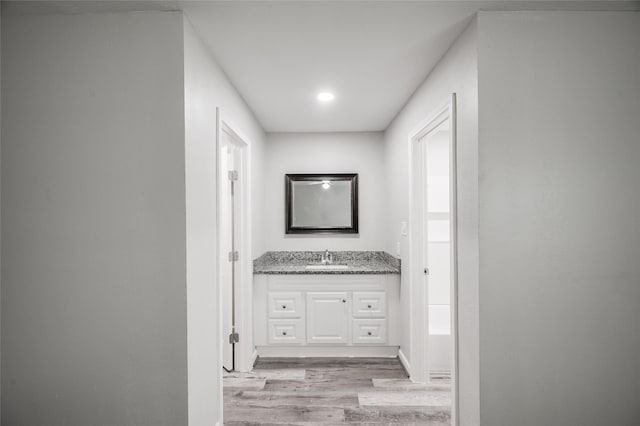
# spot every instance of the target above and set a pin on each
(234, 247)
(433, 251)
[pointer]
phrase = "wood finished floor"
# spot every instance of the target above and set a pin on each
(333, 391)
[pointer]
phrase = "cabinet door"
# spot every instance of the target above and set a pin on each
(327, 317)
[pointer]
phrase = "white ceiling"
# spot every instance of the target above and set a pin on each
(372, 54)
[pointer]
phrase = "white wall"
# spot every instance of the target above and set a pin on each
(455, 73)
(559, 218)
(360, 153)
(206, 87)
(93, 264)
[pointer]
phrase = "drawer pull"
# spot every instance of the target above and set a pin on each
(344, 301)
(284, 333)
(369, 333)
(369, 306)
(284, 306)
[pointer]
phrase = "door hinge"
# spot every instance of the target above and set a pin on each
(233, 256)
(234, 338)
(426, 271)
(233, 175)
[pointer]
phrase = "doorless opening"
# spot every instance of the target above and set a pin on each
(433, 251)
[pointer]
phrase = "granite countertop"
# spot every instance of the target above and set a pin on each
(295, 262)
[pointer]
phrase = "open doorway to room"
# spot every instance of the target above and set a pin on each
(433, 258)
(234, 251)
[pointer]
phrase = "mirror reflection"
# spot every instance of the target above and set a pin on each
(321, 203)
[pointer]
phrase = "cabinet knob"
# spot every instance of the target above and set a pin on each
(284, 306)
(284, 333)
(369, 333)
(344, 301)
(369, 306)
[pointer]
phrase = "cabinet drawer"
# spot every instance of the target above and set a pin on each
(370, 331)
(285, 305)
(286, 331)
(369, 304)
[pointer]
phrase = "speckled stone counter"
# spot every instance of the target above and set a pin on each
(295, 262)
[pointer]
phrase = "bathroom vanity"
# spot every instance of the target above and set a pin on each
(305, 307)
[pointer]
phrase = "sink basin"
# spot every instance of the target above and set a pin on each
(327, 267)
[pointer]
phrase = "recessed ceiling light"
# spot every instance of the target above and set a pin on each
(326, 96)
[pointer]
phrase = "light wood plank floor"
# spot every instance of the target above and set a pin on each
(333, 391)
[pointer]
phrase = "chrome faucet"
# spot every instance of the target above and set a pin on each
(326, 257)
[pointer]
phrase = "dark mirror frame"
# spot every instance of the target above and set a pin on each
(290, 229)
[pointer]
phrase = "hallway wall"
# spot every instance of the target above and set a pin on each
(93, 245)
(357, 152)
(206, 87)
(559, 218)
(457, 72)
(109, 181)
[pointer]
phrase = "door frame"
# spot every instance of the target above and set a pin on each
(419, 318)
(245, 351)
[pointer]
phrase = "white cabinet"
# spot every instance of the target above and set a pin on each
(285, 322)
(327, 317)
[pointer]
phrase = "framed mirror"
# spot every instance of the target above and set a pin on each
(321, 203)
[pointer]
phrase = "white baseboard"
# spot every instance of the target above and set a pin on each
(404, 361)
(327, 351)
